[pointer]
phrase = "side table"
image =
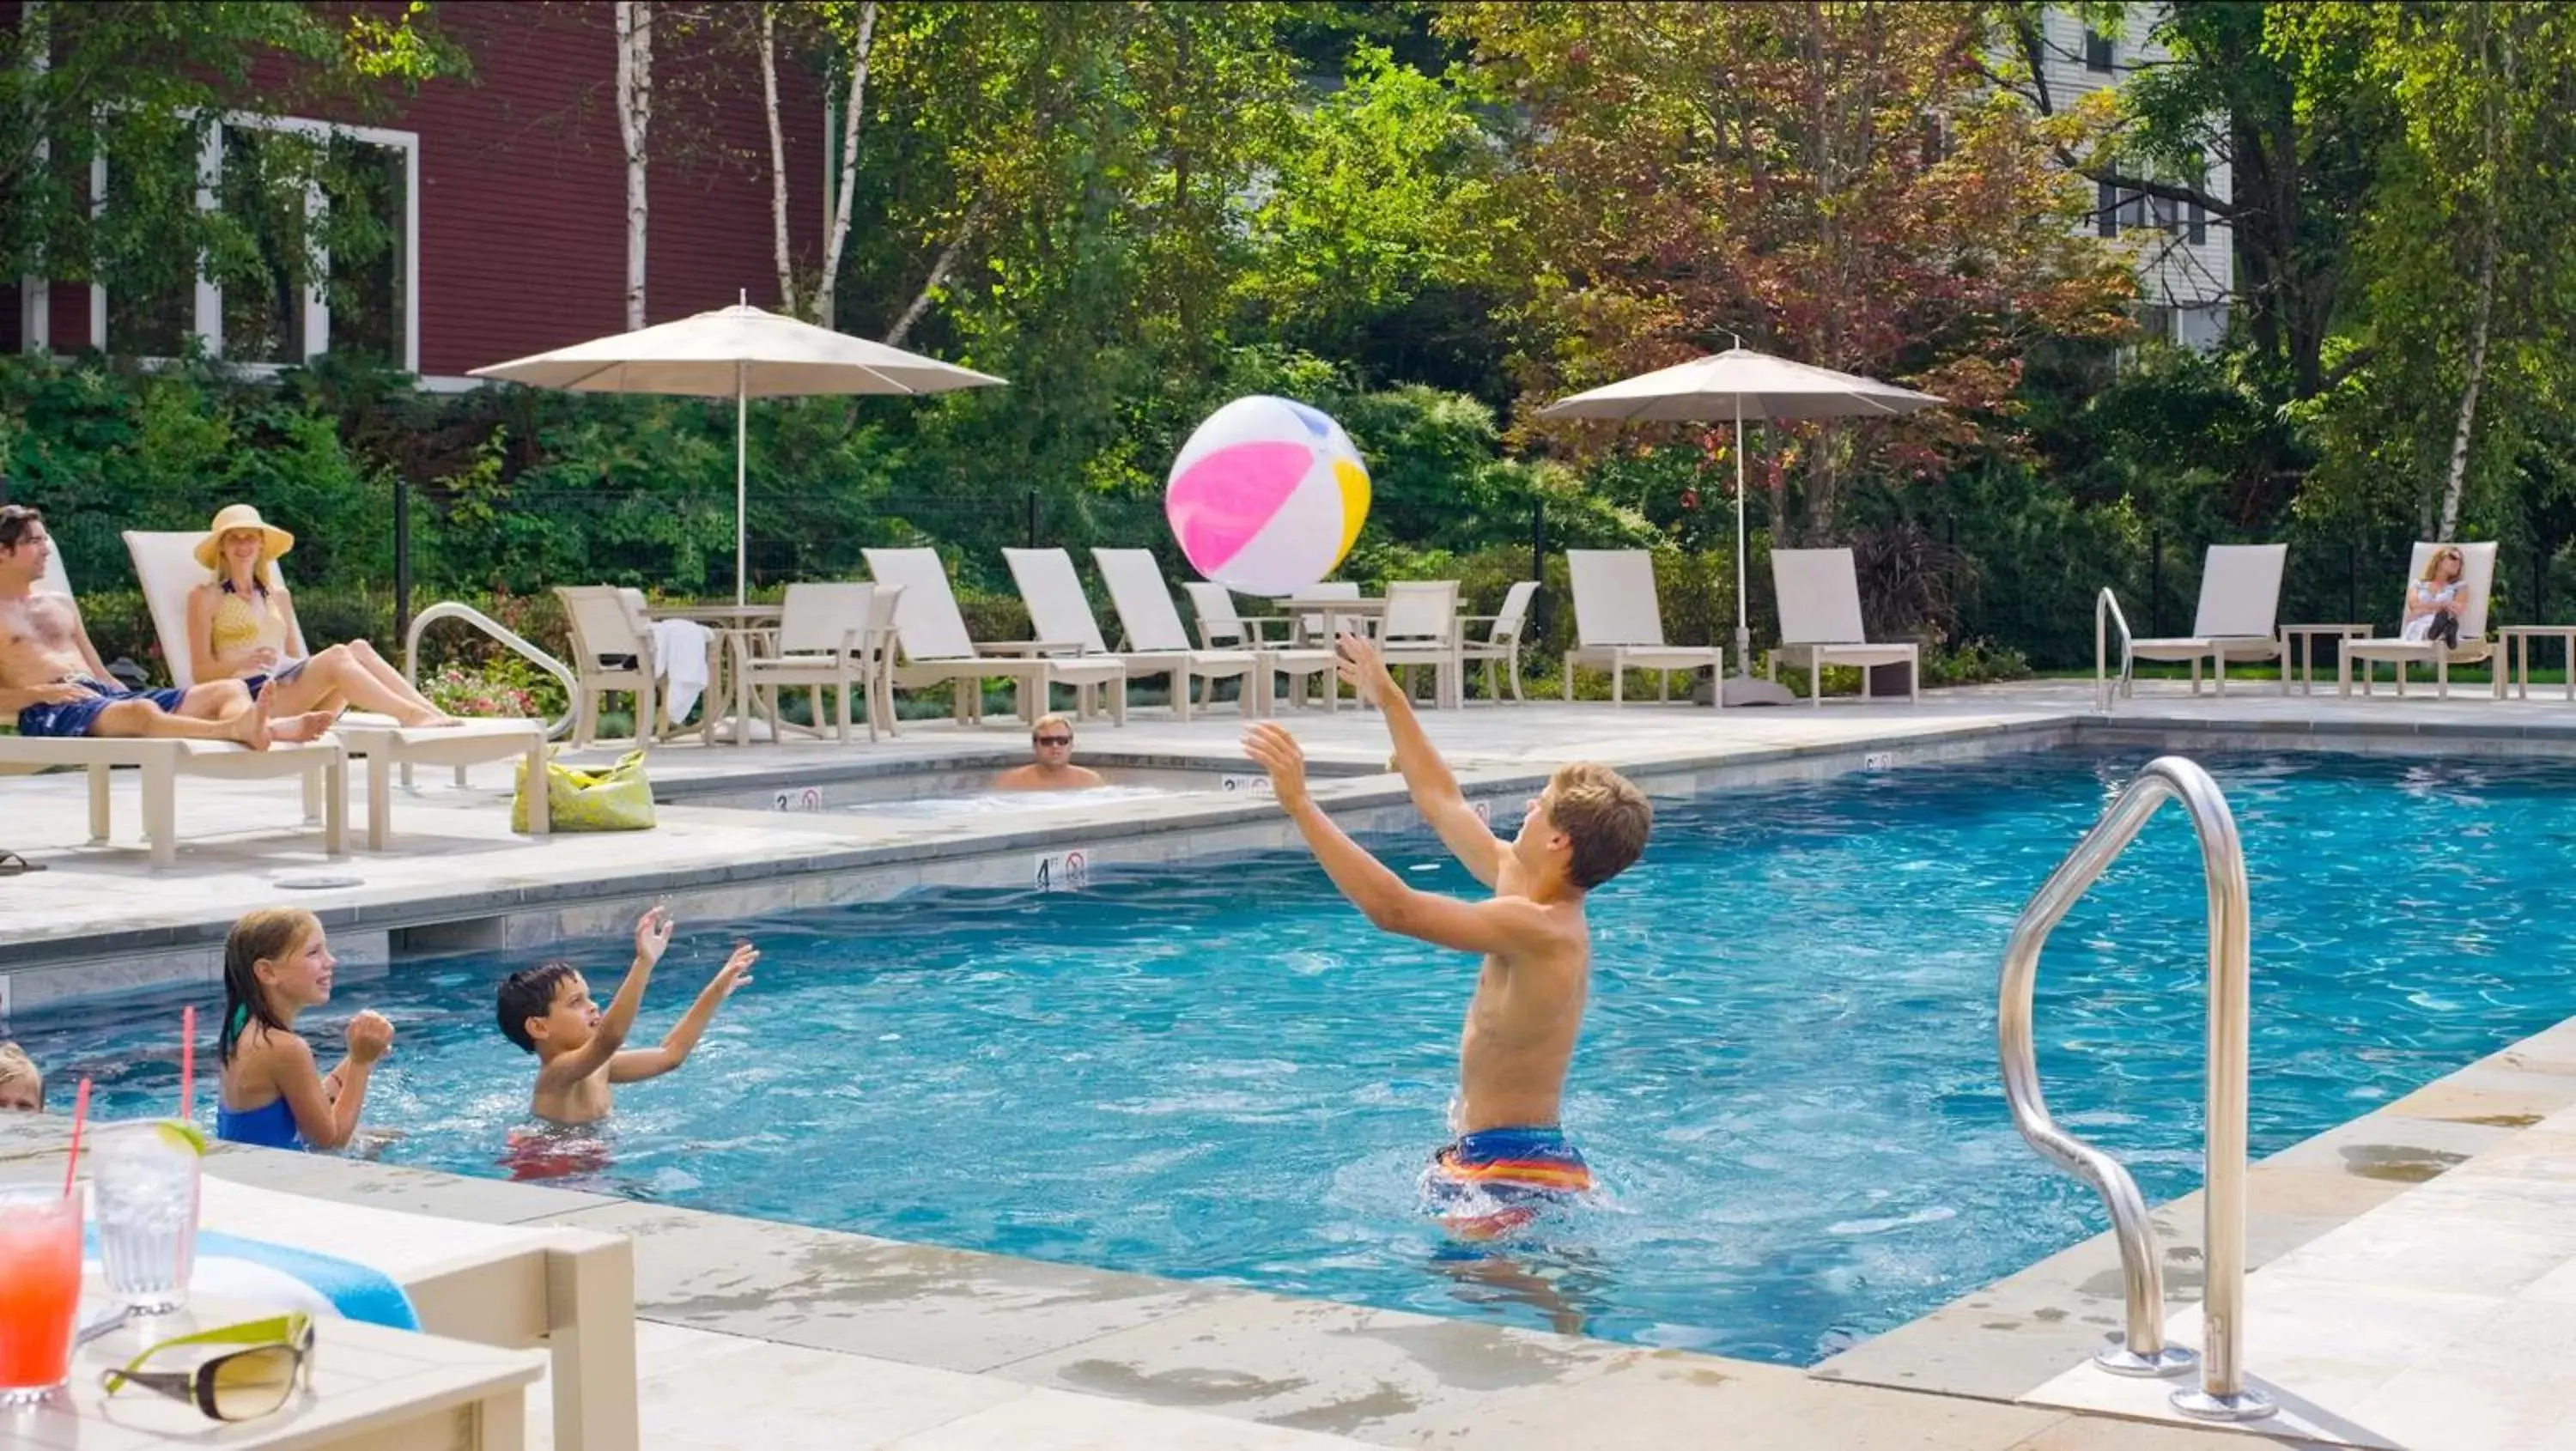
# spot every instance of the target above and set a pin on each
(373, 1389)
(2304, 660)
(2514, 643)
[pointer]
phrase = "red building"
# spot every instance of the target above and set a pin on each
(507, 190)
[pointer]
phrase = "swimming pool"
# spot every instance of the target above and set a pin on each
(1787, 1082)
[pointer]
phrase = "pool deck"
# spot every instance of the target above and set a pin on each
(2416, 1280)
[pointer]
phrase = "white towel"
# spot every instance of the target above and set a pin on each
(680, 655)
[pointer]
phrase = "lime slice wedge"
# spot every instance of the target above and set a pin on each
(179, 1135)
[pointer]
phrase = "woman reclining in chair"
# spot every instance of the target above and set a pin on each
(242, 627)
(2435, 603)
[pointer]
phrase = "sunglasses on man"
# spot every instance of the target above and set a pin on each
(1053, 740)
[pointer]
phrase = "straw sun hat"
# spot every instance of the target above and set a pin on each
(275, 541)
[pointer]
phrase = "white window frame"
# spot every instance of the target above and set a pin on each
(209, 302)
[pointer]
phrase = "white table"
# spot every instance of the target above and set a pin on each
(374, 1389)
(2305, 660)
(737, 630)
(2513, 643)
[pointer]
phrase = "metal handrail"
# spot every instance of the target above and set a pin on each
(451, 610)
(2106, 612)
(2222, 1394)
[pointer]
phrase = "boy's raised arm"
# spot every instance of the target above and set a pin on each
(652, 939)
(1435, 790)
(683, 1038)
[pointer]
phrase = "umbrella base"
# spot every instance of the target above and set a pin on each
(1742, 690)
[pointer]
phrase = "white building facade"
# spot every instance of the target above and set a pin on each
(2185, 258)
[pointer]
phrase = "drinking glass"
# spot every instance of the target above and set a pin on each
(40, 1275)
(145, 1179)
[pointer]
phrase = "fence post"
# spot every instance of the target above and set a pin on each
(1033, 519)
(2352, 581)
(1541, 612)
(402, 561)
(2156, 583)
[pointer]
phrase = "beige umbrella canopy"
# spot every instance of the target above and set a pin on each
(741, 352)
(1743, 384)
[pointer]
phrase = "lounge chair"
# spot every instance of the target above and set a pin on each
(571, 1290)
(1420, 627)
(322, 766)
(2477, 572)
(167, 566)
(840, 635)
(1619, 623)
(933, 647)
(1502, 642)
(1219, 624)
(1820, 622)
(1155, 643)
(2238, 618)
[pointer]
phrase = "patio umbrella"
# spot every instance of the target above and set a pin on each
(1745, 384)
(741, 352)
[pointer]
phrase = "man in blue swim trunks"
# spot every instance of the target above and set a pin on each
(53, 683)
(1511, 1157)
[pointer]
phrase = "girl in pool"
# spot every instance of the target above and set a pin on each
(276, 965)
(2435, 602)
(241, 626)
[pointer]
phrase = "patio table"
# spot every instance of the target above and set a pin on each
(737, 630)
(2513, 643)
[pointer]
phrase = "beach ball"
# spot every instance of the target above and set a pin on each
(1267, 496)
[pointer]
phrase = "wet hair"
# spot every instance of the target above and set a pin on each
(1604, 816)
(15, 521)
(261, 936)
(530, 993)
(16, 1065)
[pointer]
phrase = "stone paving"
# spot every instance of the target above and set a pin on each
(776, 1336)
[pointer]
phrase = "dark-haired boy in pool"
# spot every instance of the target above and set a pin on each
(1511, 1156)
(548, 1011)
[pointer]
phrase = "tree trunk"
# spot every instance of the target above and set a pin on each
(634, 123)
(2456, 482)
(939, 271)
(777, 156)
(857, 102)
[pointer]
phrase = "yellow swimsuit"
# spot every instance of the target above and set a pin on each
(241, 625)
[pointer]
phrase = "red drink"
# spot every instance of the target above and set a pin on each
(40, 1280)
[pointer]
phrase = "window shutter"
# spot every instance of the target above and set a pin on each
(2106, 209)
(2199, 225)
(2097, 50)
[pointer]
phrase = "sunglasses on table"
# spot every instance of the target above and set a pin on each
(276, 1357)
(1054, 740)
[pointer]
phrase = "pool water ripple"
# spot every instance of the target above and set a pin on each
(1787, 1081)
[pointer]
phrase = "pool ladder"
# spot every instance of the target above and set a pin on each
(2222, 1394)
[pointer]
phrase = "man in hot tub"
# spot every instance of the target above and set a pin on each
(1051, 742)
(1511, 1158)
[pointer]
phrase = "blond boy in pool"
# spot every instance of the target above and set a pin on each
(1511, 1156)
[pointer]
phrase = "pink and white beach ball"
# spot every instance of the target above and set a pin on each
(1267, 496)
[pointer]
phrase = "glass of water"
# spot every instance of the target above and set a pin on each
(144, 1181)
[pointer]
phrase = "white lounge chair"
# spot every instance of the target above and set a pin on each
(1220, 625)
(933, 647)
(1820, 622)
(1420, 627)
(1619, 623)
(167, 566)
(2238, 617)
(322, 766)
(837, 635)
(1059, 610)
(1502, 642)
(571, 1290)
(2477, 572)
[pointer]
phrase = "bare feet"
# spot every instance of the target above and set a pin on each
(306, 727)
(427, 720)
(252, 727)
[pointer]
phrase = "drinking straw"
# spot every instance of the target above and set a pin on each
(187, 1062)
(80, 1117)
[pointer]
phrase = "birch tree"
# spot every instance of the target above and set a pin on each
(853, 37)
(634, 125)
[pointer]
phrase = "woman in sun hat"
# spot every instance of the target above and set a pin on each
(241, 625)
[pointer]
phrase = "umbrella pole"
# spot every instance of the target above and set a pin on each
(1743, 631)
(741, 425)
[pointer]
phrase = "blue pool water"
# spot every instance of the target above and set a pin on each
(1787, 1082)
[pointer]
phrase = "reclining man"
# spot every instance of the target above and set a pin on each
(54, 684)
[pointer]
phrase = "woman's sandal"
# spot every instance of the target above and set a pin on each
(14, 865)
